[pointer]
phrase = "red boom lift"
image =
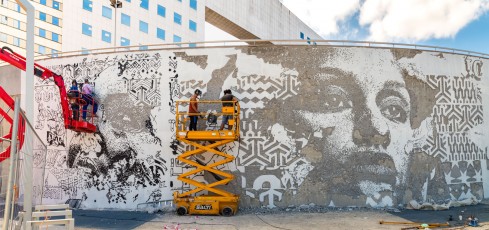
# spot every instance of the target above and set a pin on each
(77, 125)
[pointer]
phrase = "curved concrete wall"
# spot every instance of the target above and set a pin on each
(330, 126)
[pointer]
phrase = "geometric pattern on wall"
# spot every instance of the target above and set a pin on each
(254, 89)
(458, 109)
(142, 78)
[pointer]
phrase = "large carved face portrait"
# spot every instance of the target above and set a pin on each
(357, 115)
(348, 119)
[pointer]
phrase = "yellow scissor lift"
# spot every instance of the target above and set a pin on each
(217, 201)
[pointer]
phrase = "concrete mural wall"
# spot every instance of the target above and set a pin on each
(329, 126)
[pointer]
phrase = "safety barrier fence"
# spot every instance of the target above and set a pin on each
(259, 42)
(17, 183)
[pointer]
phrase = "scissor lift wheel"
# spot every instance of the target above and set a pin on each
(181, 210)
(227, 211)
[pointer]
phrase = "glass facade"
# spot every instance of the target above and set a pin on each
(125, 19)
(16, 41)
(144, 4)
(193, 4)
(161, 11)
(55, 21)
(42, 16)
(101, 30)
(42, 33)
(42, 49)
(177, 38)
(87, 5)
(86, 29)
(107, 12)
(55, 37)
(177, 18)
(160, 33)
(192, 25)
(106, 36)
(125, 41)
(55, 5)
(143, 27)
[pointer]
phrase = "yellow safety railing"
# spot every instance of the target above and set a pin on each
(213, 113)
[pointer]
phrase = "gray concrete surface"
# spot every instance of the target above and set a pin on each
(312, 218)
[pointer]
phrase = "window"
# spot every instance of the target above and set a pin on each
(16, 41)
(302, 35)
(128, 0)
(42, 16)
(144, 4)
(17, 24)
(177, 38)
(125, 19)
(107, 12)
(42, 49)
(55, 21)
(86, 29)
(160, 33)
(42, 33)
(4, 20)
(125, 42)
(141, 47)
(18, 8)
(192, 25)
(161, 11)
(193, 4)
(55, 37)
(43, 2)
(106, 36)
(56, 5)
(54, 53)
(192, 45)
(87, 5)
(143, 26)
(308, 40)
(85, 51)
(3, 37)
(177, 18)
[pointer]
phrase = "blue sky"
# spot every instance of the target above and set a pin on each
(473, 37)
(459, 24)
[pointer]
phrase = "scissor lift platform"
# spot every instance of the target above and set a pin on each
(217, 201)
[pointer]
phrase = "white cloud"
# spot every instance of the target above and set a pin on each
(323, 16)
(416, 20)
(389, 20)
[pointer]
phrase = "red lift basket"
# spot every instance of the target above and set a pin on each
(77, 125)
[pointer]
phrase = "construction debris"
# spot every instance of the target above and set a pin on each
(433, 206)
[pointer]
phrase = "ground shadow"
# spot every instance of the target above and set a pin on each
(95, 219)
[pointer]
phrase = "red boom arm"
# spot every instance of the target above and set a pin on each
(20, 62)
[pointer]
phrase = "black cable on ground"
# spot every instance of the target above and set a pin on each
(271, 224)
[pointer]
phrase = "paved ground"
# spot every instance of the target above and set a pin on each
(313, 218)
(294, 218)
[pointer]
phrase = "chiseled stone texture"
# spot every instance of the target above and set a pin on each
(330, 126)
